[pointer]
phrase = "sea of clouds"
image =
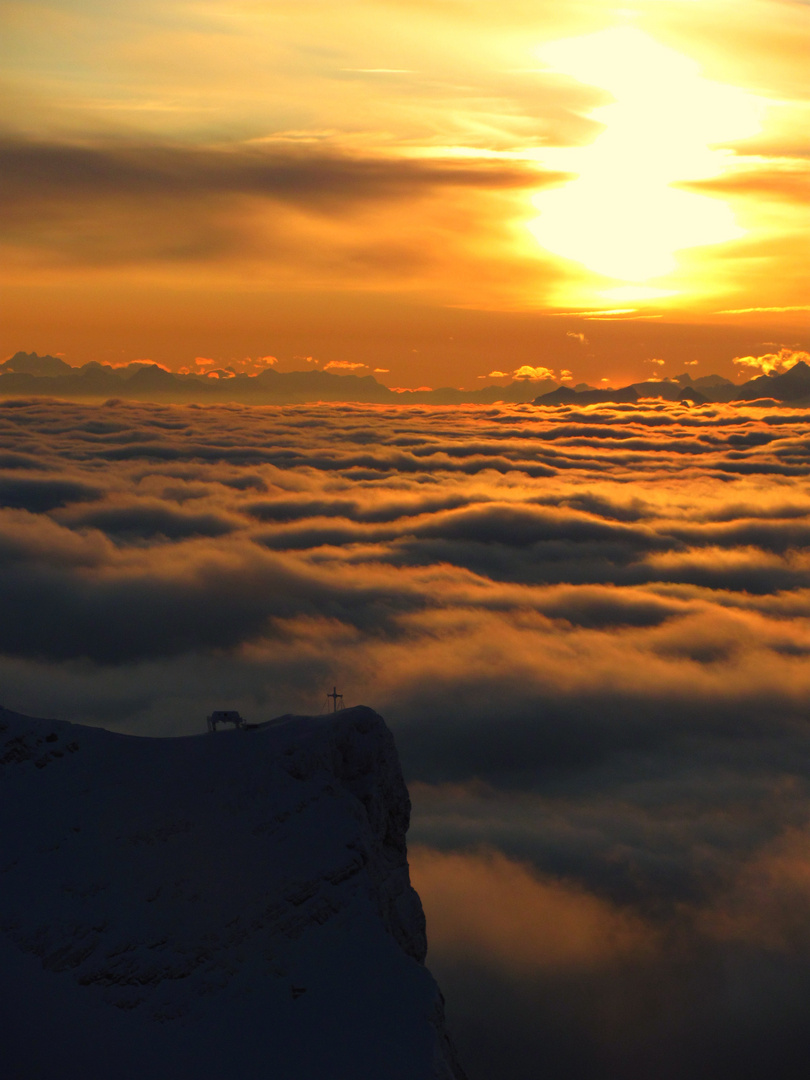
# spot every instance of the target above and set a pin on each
(588, 628)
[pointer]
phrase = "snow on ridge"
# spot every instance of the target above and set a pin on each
(214, 898)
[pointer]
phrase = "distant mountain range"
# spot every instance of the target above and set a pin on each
(793, 387)
(31, 374)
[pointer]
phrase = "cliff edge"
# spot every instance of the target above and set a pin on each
(235, 904)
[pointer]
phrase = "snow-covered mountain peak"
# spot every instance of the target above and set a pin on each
(224, 904)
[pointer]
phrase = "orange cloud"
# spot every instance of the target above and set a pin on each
(494, 908)
(791, 185)
(767, 903)
(773, 363)
(527, 371)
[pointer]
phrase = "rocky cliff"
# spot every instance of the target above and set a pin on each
(234, 904)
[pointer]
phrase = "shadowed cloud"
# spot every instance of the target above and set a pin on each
(313, 177)
(151, 522)
(41, 495)
(117, 203)
(588, 628)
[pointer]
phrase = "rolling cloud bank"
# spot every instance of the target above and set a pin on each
(588, 627)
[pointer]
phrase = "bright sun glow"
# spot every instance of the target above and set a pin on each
(622, 217)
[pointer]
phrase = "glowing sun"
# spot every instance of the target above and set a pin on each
(622, 217)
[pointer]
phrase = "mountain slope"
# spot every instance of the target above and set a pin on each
(23, 363)
(791, 385)
(235, 904)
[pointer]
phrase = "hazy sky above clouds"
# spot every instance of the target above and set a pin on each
(371, 182)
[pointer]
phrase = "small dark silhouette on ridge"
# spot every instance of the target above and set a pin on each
(224, 716)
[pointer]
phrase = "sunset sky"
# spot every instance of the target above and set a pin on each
(587, 625)
(439, 189)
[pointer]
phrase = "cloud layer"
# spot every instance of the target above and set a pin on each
(588, 627)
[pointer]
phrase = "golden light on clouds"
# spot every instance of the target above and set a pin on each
(622, 217)
(497, 908)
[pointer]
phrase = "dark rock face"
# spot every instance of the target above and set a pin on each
(230, 904)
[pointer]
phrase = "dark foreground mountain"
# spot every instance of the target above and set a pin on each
(234, 904)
